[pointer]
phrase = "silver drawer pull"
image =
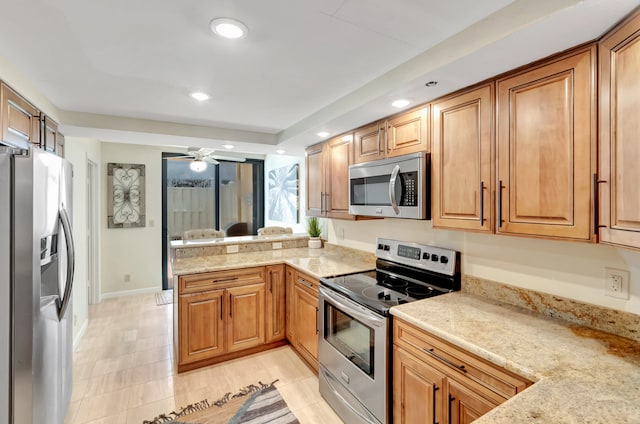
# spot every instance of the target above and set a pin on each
(221, 280)
(301, 281)
(443, 359)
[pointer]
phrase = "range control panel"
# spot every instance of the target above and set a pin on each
(422, 256)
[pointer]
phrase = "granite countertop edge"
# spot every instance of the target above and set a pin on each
(577, 377)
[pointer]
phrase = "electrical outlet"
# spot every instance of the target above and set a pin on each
(232, 248)
(127, 278)
(276, 245)
(616, 283)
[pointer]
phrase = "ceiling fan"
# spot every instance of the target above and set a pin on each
(205, 155)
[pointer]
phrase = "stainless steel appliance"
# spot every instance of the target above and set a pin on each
(396, 187)
(354, 347)
(36, 275)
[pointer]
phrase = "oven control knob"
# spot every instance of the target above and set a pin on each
(380, 295)
(434, 258)
(425, 256)
(387, 297)
(387, 247)
(379, 246)
(444, 259)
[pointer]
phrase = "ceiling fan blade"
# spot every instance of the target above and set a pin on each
(178, 157)
(210, 160)
(229, 158)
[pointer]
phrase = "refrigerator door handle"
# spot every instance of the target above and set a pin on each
(71, 259)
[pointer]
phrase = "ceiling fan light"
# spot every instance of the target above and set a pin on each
(198, 165)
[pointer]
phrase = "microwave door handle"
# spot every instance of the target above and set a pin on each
(392, 189)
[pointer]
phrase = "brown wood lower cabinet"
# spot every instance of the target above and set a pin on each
(434, 381)
(303, 305)
(275, 303)
(222, 315)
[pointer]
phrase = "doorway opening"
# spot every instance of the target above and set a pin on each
(226, 196)
(93, 226)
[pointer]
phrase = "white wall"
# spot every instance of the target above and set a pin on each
(276, 161)
(133, 251)
(78, 151)
(569, 269)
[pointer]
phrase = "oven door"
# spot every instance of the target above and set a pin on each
(353, 355)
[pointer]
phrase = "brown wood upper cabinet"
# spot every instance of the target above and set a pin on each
(546, 148)
(462, 160)
(407, 132)
(49, 134)
(327, 178)
(619, 172)
(20, 119)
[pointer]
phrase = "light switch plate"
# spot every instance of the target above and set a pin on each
(232, 248)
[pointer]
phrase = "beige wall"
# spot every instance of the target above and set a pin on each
(133, 251)
(78, 151)
(569, 269)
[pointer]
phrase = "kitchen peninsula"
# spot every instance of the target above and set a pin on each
(240, 295)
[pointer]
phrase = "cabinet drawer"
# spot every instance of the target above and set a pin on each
(309, 283)
(201, 282)
(456, 361)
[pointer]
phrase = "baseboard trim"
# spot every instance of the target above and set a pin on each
(125, 293)
(83, 329)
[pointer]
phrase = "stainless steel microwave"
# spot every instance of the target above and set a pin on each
(397, 187)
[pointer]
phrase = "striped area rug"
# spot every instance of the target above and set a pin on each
(255, 404)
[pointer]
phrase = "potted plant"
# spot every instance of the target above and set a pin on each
(314, 233)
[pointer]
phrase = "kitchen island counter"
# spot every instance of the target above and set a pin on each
(580, 374)
(326, 262)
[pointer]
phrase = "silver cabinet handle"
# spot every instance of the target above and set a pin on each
(481, 203)
(305, 283)
(443, 359)
(392, 189)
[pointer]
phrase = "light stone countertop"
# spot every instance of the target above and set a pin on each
(581, 375)
(175, 244)
(318, 263)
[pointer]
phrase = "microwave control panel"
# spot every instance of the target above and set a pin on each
(410, 192)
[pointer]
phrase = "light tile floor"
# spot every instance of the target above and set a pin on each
(123, 370)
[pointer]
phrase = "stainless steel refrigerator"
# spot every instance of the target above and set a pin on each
(36, 277)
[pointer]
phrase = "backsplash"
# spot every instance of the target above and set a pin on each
(244, 246)
(621, 323)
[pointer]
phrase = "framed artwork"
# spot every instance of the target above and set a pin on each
(126, 201)
(284, 202)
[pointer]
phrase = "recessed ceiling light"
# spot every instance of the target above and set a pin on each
(279, 151)
(199, 96)
(322, 134)
(400, 103)
(229, 28)
(228, 146)
(431, 83)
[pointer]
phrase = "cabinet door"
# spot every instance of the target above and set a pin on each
(338, 155)
(417, 390)
(369, 143)
(20, 122)
(60, 144)
(306, 322)
(620, 135)
(546, 149)
(461, 158)
(289, 282)
(466, 405)
(245, 320)
(408, 133)
(48, 133)
(275, 303)
(201, 326)
(315, 181)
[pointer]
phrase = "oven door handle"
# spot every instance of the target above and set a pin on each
(352, 308)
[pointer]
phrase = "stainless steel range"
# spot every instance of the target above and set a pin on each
(354, 348)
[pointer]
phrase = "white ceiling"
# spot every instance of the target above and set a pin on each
(121, 70)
